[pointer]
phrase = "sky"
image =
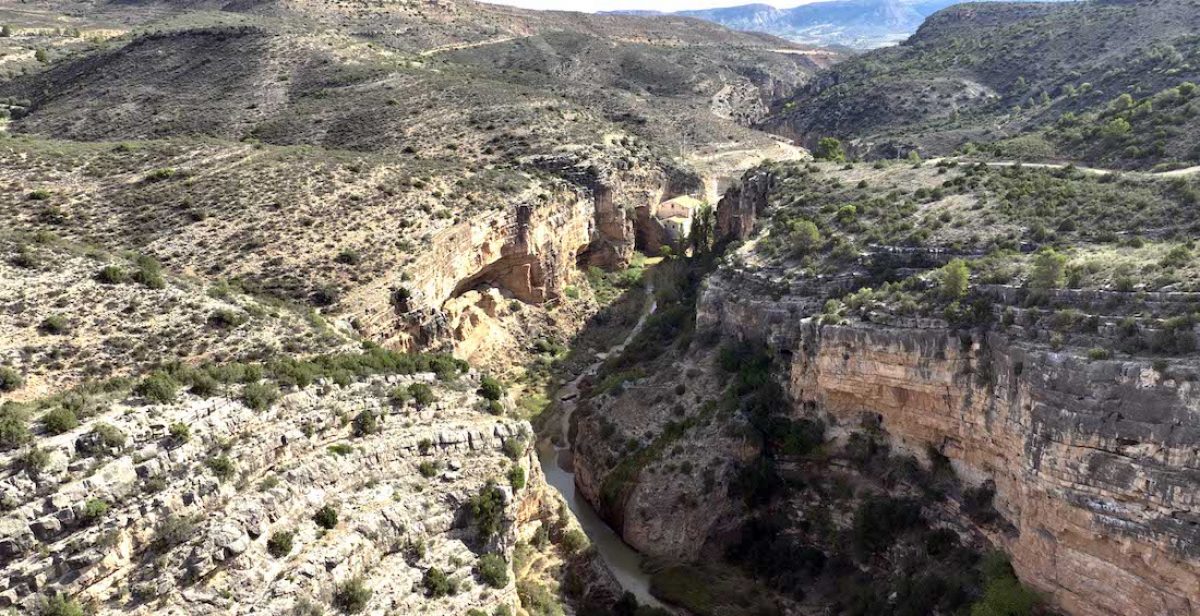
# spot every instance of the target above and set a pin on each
(591, 6)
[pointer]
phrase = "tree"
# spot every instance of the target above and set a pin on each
(487, 510)
(1121, 103)
(804, 235)
(954, 277)
(1048, 269)
(702, 234)
(1116, 129)
(830, 149)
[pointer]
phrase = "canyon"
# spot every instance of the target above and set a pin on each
(457, 308)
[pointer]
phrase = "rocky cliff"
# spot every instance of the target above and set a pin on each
(1093, 460)
(465, 292)
(211, 506)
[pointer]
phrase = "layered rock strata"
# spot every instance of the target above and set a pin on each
(1094, 462)
(187, 525)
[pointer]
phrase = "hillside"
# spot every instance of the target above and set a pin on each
(283, 284)
(349, 150)
(1101, 82)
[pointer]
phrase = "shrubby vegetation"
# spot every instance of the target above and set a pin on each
(487, 511)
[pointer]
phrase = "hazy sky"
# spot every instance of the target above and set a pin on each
(591, 6)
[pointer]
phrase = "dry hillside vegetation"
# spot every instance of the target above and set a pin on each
(1109, 83)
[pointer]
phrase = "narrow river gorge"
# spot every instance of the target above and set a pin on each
(555, 456)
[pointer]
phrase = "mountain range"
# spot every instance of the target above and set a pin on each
(859, 24)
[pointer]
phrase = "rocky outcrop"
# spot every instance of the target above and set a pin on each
(171, 524)
(740, 205)
(1094, 463)
(453, 294)
(652, 460)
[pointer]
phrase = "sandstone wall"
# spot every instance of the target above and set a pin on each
(1096, 463)
(526, 251)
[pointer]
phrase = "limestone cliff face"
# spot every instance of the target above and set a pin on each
(176, 536)
(453, 293)
(739, 206)
(1095, 463)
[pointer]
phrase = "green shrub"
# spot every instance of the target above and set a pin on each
(93, 510)
(40, 194)
(352, 596)
(326, 517)
(880, 520)
(341, 449)
(306, 607)
(59, 420)
(803, 236)
(830, 149)
(159, 175)
(516, 477)
(493, 570)
(1098, 353)
(366, 423)
(179, 433)
(436, 583)
(1048, 270)
(280, 543)
(111, 274)
(59, 605)
(149, 273)
(10, 379)
(158, 387)
(222, 467)
(490, 388)
(33, 461)
(953, 279)
(574, 541)
(226, 318)
(259, 396)
(1003, 594)
(422, 394)
(103, 440)
(53, 325)
(428, 469)
(487, 510)
(399, 396)
(172, 531)
(349, 256)
(514, 447)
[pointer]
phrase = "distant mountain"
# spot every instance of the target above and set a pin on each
(861, 24)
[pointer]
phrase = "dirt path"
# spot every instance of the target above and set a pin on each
(1189, 171)
(456, 46)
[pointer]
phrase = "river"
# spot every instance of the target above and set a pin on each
(624, 562)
